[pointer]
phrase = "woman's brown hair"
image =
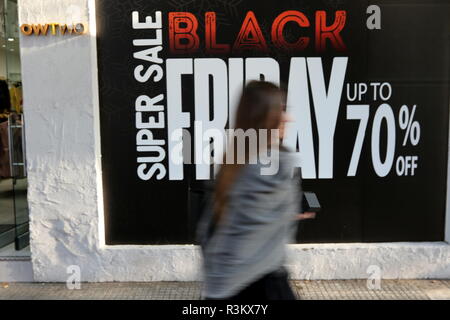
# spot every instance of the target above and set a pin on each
(260, 107)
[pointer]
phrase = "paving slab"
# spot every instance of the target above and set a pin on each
(305, 290)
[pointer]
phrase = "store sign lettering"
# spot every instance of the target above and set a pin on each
(53, 29)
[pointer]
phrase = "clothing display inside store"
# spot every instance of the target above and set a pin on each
(5, 99)
(11, 108)
(15, 93)
(10, 97)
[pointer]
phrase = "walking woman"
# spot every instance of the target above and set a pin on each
(252, 216)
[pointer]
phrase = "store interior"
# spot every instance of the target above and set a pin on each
(14, 230)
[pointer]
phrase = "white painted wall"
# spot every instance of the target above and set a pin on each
(65, 195)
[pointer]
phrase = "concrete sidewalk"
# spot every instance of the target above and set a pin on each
(306, 290)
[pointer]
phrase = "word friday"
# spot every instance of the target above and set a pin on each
(160, 117)
(150, 111)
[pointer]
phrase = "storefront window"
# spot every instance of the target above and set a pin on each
(13, 182)
(369, 104)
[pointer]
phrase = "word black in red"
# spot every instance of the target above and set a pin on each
(184, 36)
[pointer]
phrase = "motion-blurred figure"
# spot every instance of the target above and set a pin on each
(252, 216)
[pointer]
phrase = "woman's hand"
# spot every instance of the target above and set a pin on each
(306, 215)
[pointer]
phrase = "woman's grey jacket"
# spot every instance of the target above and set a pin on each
(250, 240)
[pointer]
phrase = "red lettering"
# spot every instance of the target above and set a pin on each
(250, 35)
(183, 26)
(211, 35)
(324, 32)
(184, 37)
(278, 26)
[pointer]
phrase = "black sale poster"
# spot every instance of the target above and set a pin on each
(367, 86)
